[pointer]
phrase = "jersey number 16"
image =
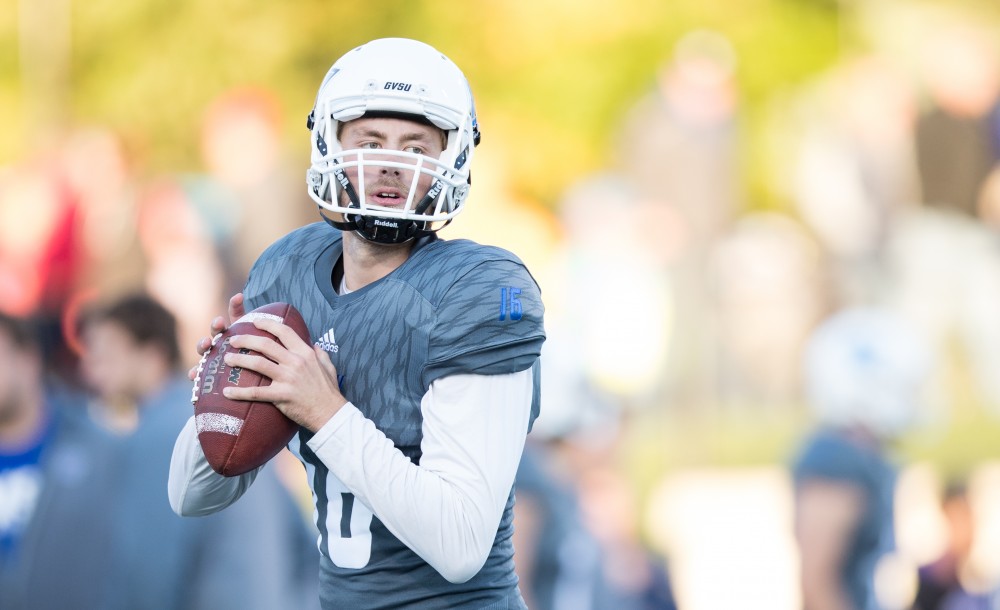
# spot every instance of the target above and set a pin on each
(510, 304)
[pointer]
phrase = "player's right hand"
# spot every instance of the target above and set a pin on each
(219, 325)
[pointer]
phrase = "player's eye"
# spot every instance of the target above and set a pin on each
(370, 145)
(417, 150)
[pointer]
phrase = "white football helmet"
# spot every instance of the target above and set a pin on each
(867, 367)
(397, 78)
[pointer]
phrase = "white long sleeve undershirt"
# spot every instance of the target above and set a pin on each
(447, 509)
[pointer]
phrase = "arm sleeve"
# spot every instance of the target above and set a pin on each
(193, 487)
(447, 509)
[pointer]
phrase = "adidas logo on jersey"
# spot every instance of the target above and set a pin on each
(328, 343)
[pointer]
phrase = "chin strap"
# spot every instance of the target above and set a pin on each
(378, 232)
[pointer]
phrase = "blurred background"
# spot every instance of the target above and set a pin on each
(695, 185)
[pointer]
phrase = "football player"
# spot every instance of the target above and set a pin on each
(422, 382)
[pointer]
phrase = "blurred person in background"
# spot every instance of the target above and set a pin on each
(946, 279)
(942, 584)
(576, 534)
(258, 555)
(576, 538)
(680, 143)
(957, 137)
(56, 476)
(853, 172)
(99, 170)
(864, 375)
(627, 360)
(559, 564)
(247, 170)
(946, 259)
(769, 290)
(636, 575)
(678, 152)
(180, 251)
(40, 250)
(559, 559)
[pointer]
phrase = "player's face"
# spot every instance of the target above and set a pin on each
(110, 360)
(387, 186)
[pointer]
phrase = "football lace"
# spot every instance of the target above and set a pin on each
(201, 367)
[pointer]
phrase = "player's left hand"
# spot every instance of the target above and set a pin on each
(303, 379)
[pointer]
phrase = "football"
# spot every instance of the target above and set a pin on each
(237, 435)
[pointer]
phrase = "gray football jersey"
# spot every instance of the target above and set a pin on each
(453, 307)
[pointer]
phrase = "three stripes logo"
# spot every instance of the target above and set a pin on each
(328, 343)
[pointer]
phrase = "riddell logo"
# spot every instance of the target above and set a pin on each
(386, 223)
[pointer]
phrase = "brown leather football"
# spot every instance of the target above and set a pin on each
(237, 435)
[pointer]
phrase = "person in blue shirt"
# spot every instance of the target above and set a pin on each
(421, 382)
(865, 372)
(56, 477)
(260, 555)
